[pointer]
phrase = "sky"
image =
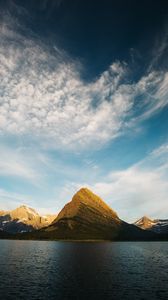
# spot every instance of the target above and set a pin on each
(84, 103)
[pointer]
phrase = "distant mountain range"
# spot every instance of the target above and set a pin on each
(23, 219)
(157, 225)
(85, 217)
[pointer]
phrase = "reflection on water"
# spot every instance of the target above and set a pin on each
(69, 270)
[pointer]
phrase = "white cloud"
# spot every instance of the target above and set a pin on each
(139, 190)
(42, 94)
(11, 200)
(16, 164)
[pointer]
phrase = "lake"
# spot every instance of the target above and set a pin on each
(83, 270)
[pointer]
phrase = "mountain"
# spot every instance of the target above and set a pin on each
(157, 225)
(23, 219)
(88, 217)
(144, 223)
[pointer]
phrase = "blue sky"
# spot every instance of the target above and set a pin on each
(84, 102)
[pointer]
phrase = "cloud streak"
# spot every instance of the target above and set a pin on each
(13, 163)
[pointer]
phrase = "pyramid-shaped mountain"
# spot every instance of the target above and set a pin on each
(87, 205)
(88, 217)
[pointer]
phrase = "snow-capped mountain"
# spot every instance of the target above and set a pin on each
(23, 219)
(156, 225)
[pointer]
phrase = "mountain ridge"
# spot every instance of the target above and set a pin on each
(156, 225)
(23, 219)
(88, 217)
(85, 217)
(84, 197)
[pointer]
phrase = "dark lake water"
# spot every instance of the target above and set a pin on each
(96, 270)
